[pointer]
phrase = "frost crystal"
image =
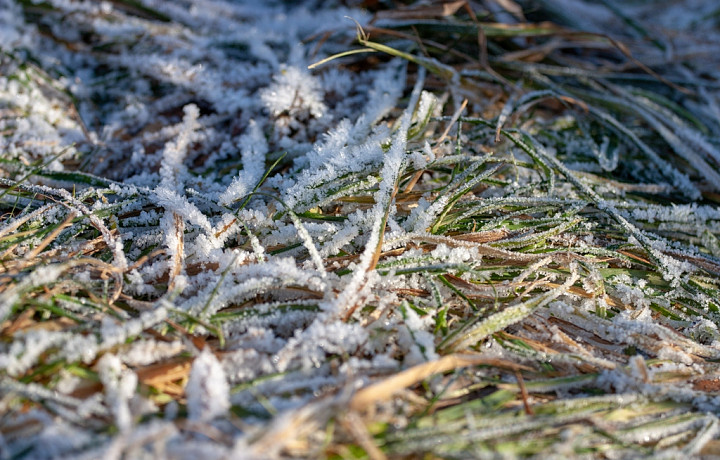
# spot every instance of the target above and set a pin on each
(207, 390)
(119, 386)
(294, 92)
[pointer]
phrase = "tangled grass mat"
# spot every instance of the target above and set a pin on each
(361, 229)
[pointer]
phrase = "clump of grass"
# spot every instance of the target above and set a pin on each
(488, 231)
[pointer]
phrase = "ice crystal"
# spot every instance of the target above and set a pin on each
(207, 390)
(119, 387)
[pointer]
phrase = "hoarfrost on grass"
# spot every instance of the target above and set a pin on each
(341, 269)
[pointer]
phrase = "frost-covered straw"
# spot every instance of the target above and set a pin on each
(393, 162)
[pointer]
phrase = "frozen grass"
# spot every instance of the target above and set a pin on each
(260, 230)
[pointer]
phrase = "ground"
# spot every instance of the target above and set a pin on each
(360, 229)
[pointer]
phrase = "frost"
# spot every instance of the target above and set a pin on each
(148, 352)
(294, 93)
(175, 178)
(207, 390)
(40, 277)
(172, 169)
(119, 385)
(254, 148)
(311, 345)
(416, 339)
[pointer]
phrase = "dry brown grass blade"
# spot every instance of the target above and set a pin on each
(288, 428)
(575, 290)
(488, 236)
(141, 261)
(24, 320)
(537, 345)
(452, 122)
(635, 256)
(178, 256)
(711, 449)
(409, 198)
(225, 228)
(355, 426)
(385, 389)
(421, 12)
(524, 393)
(513, 8)
(342, 261)
(413, 181)
(164, 376)
(378, 248)
(7, 254)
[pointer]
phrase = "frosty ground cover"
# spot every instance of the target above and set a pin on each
(359, 229)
